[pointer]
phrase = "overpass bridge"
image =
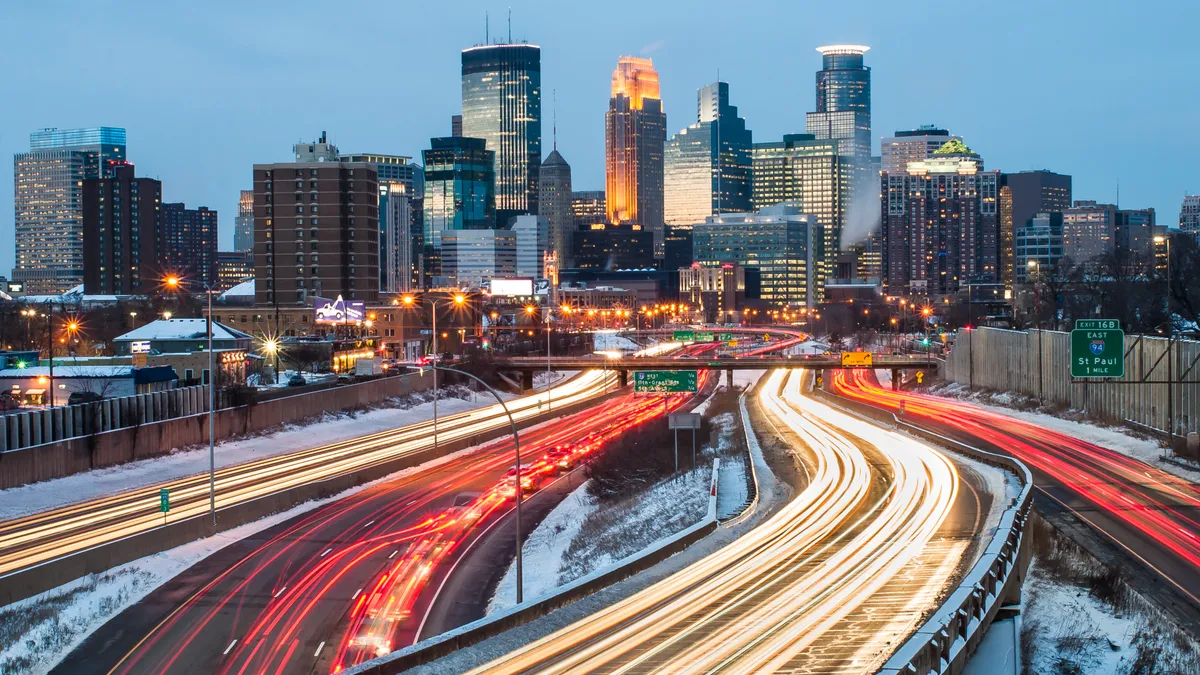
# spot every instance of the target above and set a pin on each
(528, 365)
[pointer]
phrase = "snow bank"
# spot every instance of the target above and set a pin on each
(333, 428)
(610, 341)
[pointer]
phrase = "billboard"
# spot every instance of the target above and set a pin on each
(139, 347)
(512, 286)
(338, 311)
(541, 286)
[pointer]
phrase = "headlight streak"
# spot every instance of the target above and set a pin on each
(757, 603)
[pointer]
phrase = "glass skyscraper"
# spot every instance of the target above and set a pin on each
(843, 100)
(502, 104)
(460, 187)
(48, 202)
(697, 182)
(243, 224)
(634, 134)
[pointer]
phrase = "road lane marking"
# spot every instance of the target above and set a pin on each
(393, 555)
(411, 503)
(326, 552)
(369, 524)
(227, 649)
(280, 591)
(356, 594)
(317, 653)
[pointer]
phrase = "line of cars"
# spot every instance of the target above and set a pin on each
(535, 475)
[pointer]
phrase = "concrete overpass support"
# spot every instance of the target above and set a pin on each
(526, 380)
(895, 379)
(729, 379)
(623, 377)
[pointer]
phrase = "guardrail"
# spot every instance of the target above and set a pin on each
(948, 638)
(490, 626)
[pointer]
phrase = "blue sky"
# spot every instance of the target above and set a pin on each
(1106, 91)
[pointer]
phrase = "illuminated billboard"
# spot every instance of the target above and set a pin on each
(512, 286)
(338, 311)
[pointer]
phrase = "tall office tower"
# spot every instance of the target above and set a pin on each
(470, 258)
(460, 187)
(911, 146)
(502, 104)
(781, 244)
(409, 178)
(1040, 240)
(1189, 214)
(635, 129)
(1089, 230)
(397, 249)
(940, 224)
(48, 202)
(532, 237)
(1134, 235)
(843, 100)
(588, 207)
(554, 203)
(187, 242)
(613, 246)
(706, 167)
(120, 225)
(243, 224)
(1023, 195)
(316, 231)
(812, 175)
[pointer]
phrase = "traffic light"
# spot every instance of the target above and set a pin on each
(925, 341)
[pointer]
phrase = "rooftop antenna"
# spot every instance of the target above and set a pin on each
(486, 35)
(554, 114)
(510, 25)
(1118, 193)
(719, 171)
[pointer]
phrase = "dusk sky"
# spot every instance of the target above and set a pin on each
(1105, 91)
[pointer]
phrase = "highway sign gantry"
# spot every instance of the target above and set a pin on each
(1097, 349)
(665, 382)
(685, 336)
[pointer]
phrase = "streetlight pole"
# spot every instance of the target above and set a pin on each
(50, 348)
(176, 282)
(1170, 341)
(516, 450)
(549, 389)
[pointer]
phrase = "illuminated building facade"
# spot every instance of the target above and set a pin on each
(187, 242)
(48, 202)
(940, 224)
(635, 132)
(779, 242)
(401, 185)
(121, 220)
(472, 257)
(707, 165)
(243, 223)
(843, 100)
(502, 104)
(911, 146)
(588, 208)
(554, 203)
(1040, 240)
(1189, 215)
(460, 187)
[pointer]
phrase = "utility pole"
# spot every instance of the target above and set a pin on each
(50, 348)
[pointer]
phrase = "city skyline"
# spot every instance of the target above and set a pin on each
(202, 148)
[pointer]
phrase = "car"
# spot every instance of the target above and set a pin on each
(296, 381)
(345, 379)
(78, 397)
(562, 457)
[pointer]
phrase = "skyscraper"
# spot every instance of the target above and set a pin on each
(1022, 196)
(843, 100)
(243, 224)
(460, 187)
(634, 134)
(554, 203)
(316, 230)
(1089, 230)
(120, 234)
(502, 104)
(1189, 214)
(187, 242)
(48, 202)
(532, 237)
(588, 208)
(400, 180)
(706, 166)
(940, 224)
(911, 146)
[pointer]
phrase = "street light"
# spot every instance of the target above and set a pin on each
(459, 299)
(1158, 241)
(173, 282)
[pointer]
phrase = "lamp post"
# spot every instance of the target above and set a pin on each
(50, 348)
(458, 301)
(174, 282)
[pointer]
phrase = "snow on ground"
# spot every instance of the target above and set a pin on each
(332, 428)
(611, 341)
(36, 633)
(543, 550)
(1113, 438)
(884, 375)
(809, 347)
(732, 488)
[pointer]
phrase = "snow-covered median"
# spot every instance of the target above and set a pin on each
(331, 428)
(605, 341)
(1117, 439)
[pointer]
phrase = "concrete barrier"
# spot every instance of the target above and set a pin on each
(946, 641)
(29, 582)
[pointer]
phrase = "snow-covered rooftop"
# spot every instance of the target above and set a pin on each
(246, 288)
(69, 371)
(181, 329)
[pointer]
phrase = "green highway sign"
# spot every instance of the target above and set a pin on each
(1098, 352)
(705, 337)
(724, 337)
(685, 336)
(1097, 324)
(664, 382)
(164, 500)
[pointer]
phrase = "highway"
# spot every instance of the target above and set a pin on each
(1154, 516)
(34, 539)
(831, 583)
(348, 581)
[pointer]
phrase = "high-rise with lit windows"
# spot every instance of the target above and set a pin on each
(243, 224)
(634, 134)
(706, 166)
(1189, 215)
(843, 100)
(122, 242)
(502, 104)
(48, 202)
